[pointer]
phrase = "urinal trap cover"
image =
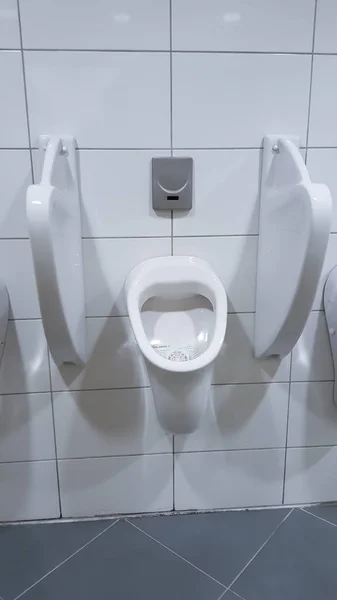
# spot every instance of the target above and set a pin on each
(181, 353)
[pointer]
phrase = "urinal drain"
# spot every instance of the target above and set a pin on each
(180, 353)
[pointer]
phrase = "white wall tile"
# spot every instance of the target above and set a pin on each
(234, 261)
(116, 194)
(312, 356)
(323, 112)
(241, 417)
(236, 362)
(108, 423)
(17, 272)
(107, 264)
(312, 415)
(116, 100)
(114, 359)
(326, 25)
(321, 163)
(225, 479)
(26, 427)
(28, 491)
(107, 24)
(13, 124)
(233, 100)
(9, 24)
(24, 366)
(226, 193)
(311, 475)
(329, 263)
(128, 484)
(264, 26)
(15, 177)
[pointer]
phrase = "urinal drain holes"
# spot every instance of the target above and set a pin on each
(181, 353)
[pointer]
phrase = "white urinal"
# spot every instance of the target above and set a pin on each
(178, 311)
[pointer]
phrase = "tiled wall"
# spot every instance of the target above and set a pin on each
(131, 80)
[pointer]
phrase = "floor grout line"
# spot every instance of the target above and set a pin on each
(317, 517)
(259, 550)
(66, 560)
(176, 554)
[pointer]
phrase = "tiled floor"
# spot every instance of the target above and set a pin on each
(255, 555)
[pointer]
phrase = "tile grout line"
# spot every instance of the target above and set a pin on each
(287, 429)
(259, 550)
(317, 517)
(171, 114)
(175, 553)
(167, 50)
(232, 592)
(66, 560)
(310, 81)
(25, 90)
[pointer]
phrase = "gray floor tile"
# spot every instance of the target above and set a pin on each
(229, 595)
(220, 544)
(27, 552)
(298, 563)
(125, 564)
(329, 513)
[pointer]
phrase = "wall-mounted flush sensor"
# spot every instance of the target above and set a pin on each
(172, 182)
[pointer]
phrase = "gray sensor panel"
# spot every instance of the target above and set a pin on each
(172, 183)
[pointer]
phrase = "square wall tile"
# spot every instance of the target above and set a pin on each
(15, 176)
(114, 359)
(13, 123)
(124, 484)
(234, 260)
(312, 415)
(311, 475)
(9, 24)
(24, 366)
(104, 25)
(18, 275)
(241, 417)
(116, 194)
(312, 359)
(263, 26)
(116, 100)
(29, 491)
(232, 100)
(326, 25)
(108, 423)
(321, 163)
(26, 427)
(209, 480)
(236, 362)
(107, 263)
(226, 193)
(329, 263)
(323, 111)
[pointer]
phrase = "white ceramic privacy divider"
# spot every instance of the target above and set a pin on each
(54, 223)
(295, 221)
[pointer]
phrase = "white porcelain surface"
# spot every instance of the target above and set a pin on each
(241, 417)
(26, 427)
(326, 25)
(262, 25)
(323, 122)
(236, 362)
(226, 479)
(225, 194)
(116, 196)
(24, 366)
(114, 359)
(321, 163)
(130, 25)
(312, 356)
(313, 415)
(234, 262)
(29, 491)
(103, 99)
(108, 423)
(211, 91)
(329, 262)
(128, 484)
(15, 176)
(107, 263)
(13, 124)
(18, 275)
(9, 24)
(311, 475)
